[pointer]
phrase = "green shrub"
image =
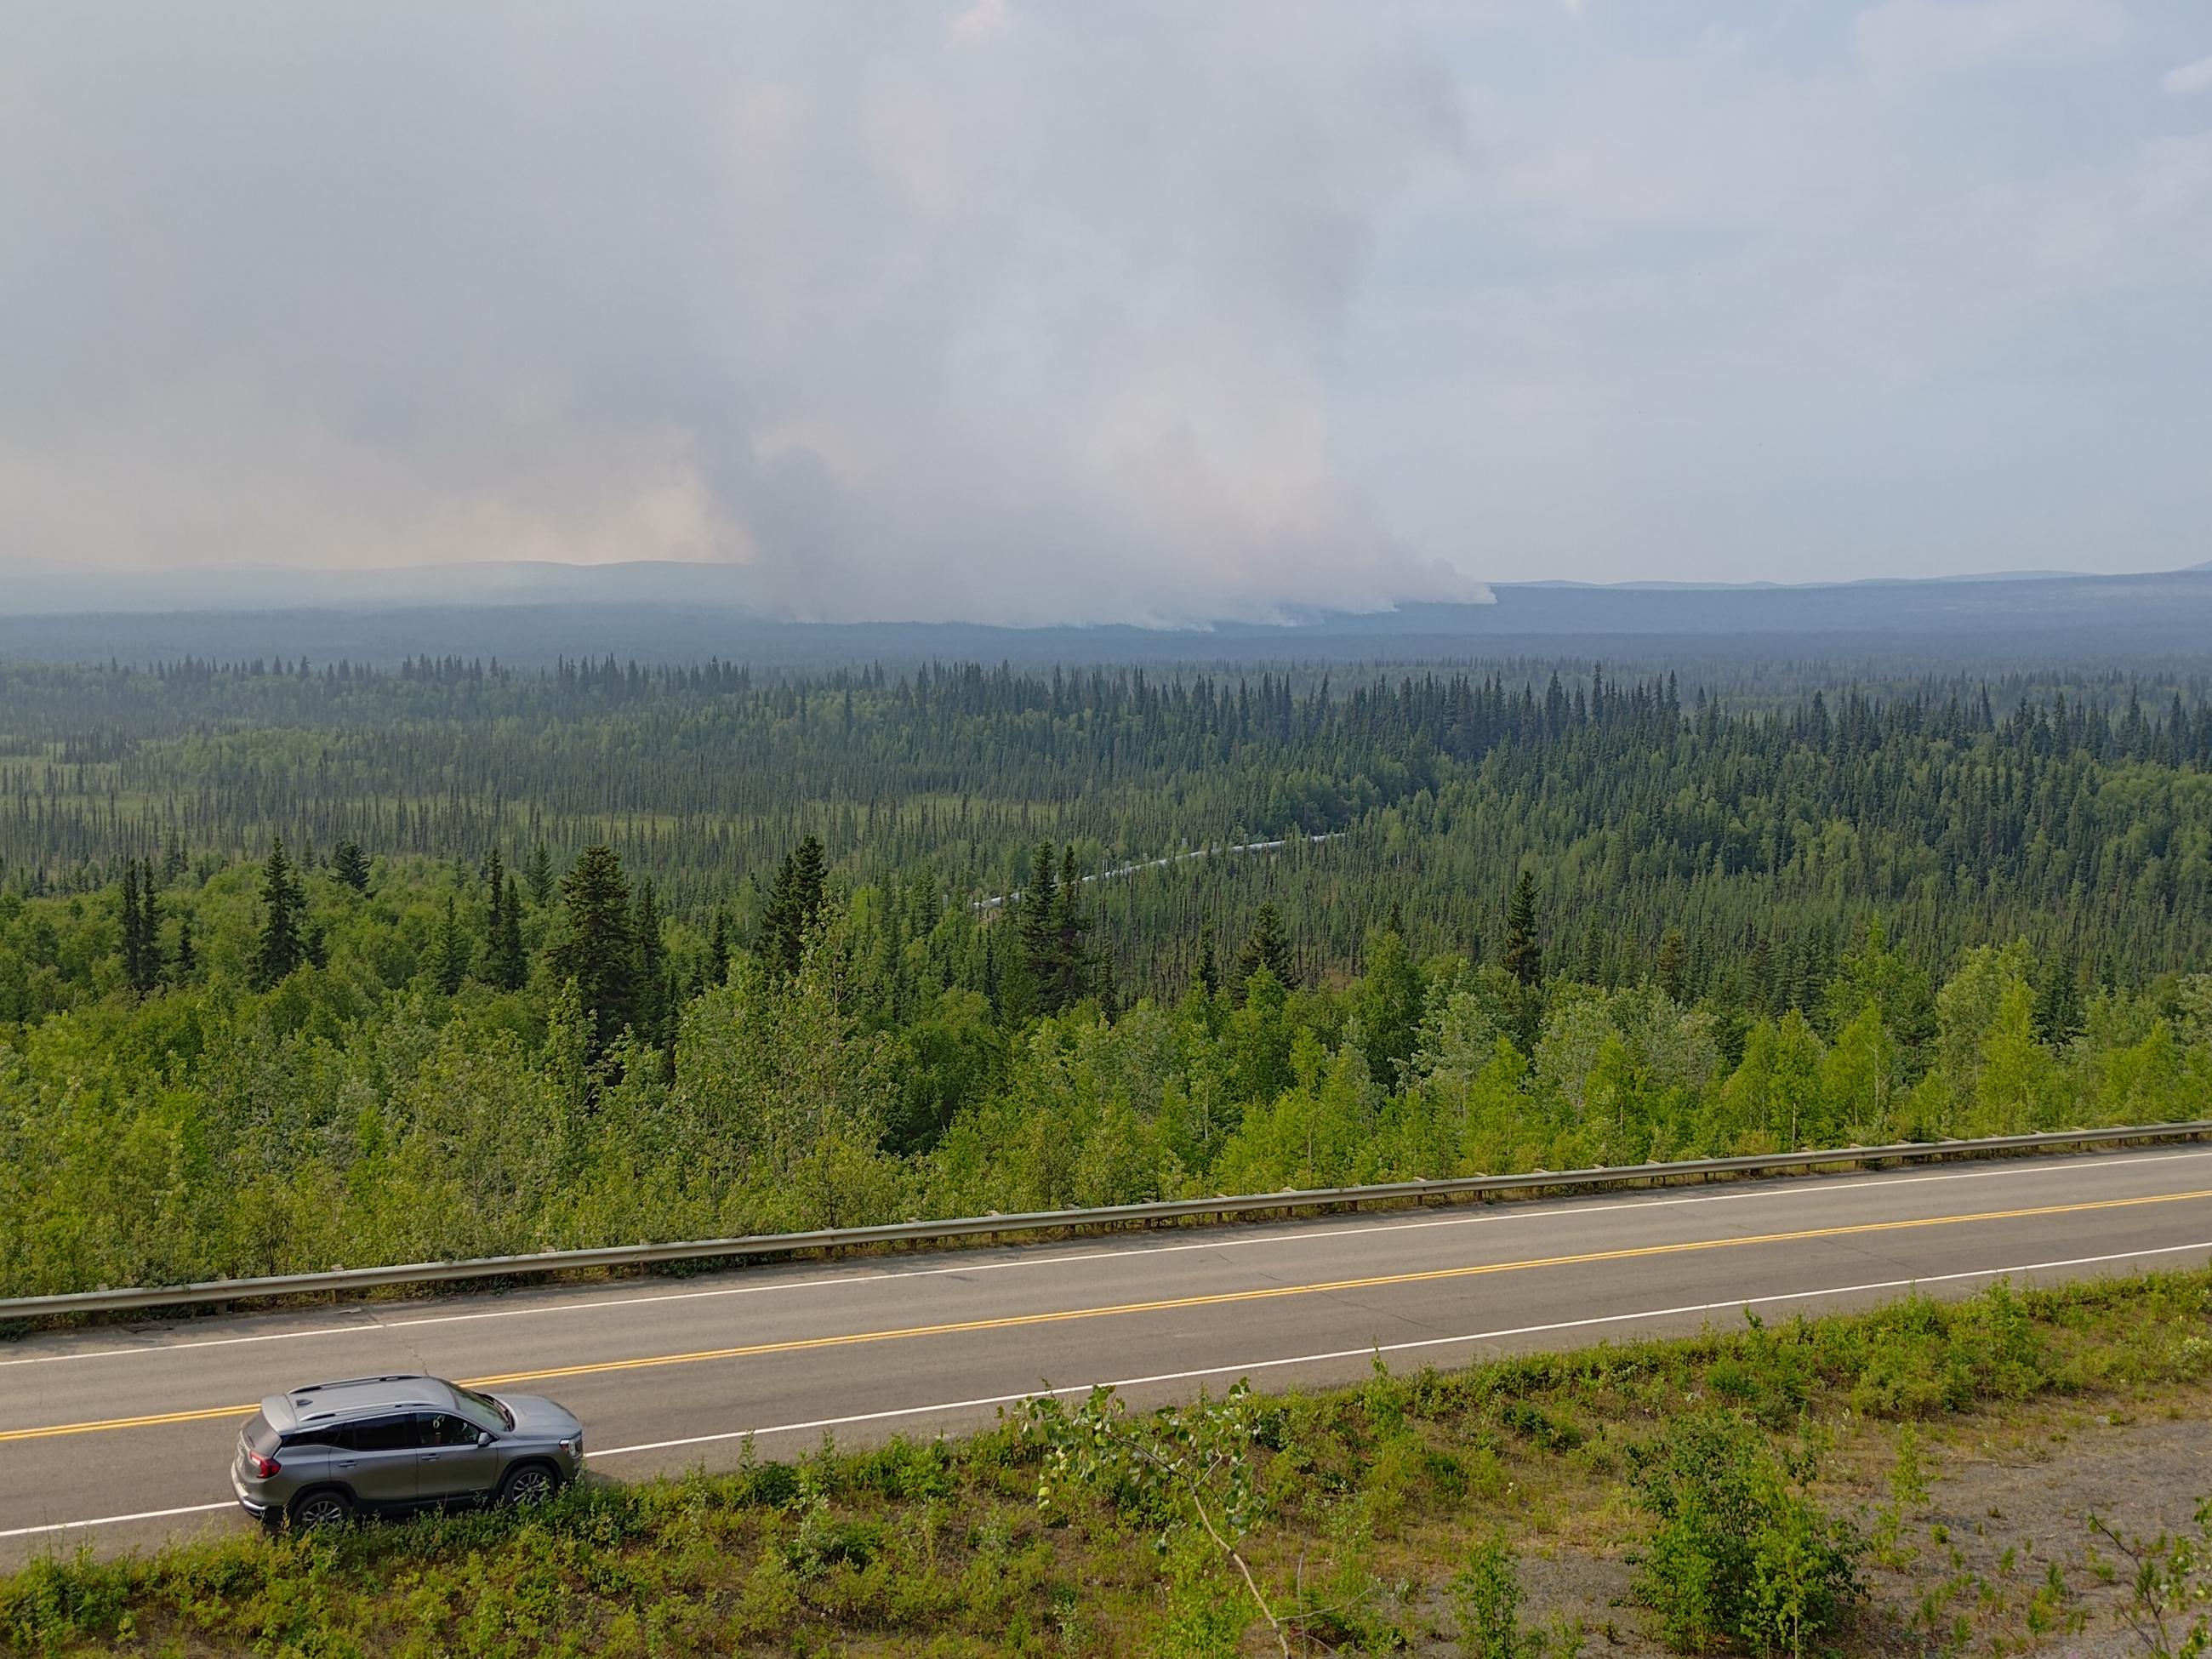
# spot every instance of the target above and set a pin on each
(1486, 1597)
(1552, 1434)
(1921, 1358)
(51, 1604)
(1737, 1549)
(769, 1486)
(904, 1471)
(1768, 1373)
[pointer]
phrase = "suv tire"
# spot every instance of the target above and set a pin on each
(527, 1484)
(325, 1506)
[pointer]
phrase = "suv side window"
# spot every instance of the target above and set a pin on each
(382, 1434)
(443, 1428)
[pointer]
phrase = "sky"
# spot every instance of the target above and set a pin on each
(1044, 310)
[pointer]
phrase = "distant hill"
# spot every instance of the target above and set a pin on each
(532, 613)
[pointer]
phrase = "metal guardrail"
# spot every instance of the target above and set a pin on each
(1121, 1215)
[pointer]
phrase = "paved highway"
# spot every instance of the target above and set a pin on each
(121, 1435)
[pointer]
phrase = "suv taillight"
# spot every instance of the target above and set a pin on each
(263, 1467)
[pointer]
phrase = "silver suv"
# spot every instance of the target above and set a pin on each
(318, 1456)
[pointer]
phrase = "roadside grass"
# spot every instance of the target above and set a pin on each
(1754, 1475)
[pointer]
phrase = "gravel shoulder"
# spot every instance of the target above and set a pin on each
(2010, 1498)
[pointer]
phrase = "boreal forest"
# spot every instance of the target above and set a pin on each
(315, 964)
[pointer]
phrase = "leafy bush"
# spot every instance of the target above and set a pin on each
(1921, 1358)
(1738, 1549)
(1486, 1597)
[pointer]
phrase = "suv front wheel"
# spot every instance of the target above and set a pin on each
(528, 1483)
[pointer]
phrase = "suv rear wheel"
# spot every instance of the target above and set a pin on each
(528, 1483)
(326, 1507)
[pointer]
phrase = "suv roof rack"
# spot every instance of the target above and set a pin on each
(362, 1381)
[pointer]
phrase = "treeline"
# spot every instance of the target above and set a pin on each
(1750, 839)
(378, 1059)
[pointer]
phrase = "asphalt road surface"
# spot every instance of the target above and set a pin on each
(121, 1436)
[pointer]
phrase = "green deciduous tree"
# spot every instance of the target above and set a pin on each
(1388, 1005)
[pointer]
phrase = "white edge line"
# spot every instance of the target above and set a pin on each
(1404, 1347)
(117, 1520)
(1252, 1365)
(373, 1325)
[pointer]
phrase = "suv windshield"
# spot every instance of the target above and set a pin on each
(481, 1406)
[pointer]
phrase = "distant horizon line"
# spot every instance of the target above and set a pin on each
(74, 590)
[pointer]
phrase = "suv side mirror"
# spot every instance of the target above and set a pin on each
(483, 1437)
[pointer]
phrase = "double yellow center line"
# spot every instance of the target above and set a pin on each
(1219, 1299)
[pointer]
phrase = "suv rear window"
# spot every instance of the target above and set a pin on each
(380, 1434)
(259, 1435)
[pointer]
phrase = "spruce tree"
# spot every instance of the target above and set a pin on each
(2057, 1013)
(350, 865)
(1265, 947)
(449, 951)
(494, 879)
(810, 875)
(187, 959)
(1673, 973)
(130, 923)
(505, 967)
(510, 961)
(655, 995)
(1207, 976)
(174, 862)
(142, 947)
(1074, 967)
(1758, 973)
(778, 944)
(150, 930)
(537, 876)
(718, 948)
(594, 945)
(1592, 969)
(1039, 930)
(281, 948)
(1524, 952)
(793, 907)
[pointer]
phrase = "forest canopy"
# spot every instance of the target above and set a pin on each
(301, 966)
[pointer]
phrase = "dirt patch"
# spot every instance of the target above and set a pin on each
(2004, 1557)
(2000, 1560)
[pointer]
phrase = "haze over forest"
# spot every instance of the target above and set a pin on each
(906, 317)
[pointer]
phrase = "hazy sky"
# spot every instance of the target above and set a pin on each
(1148, 309)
